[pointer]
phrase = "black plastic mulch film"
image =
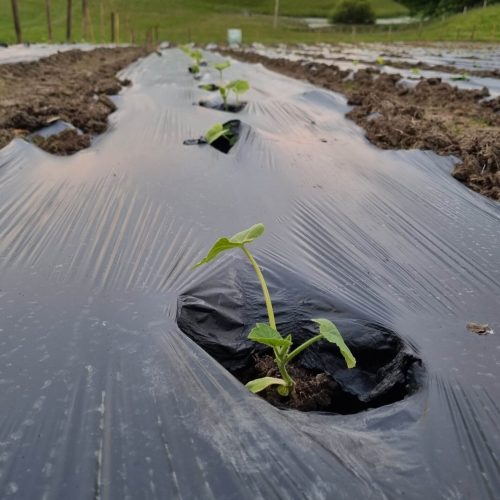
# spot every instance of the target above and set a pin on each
(102, 395)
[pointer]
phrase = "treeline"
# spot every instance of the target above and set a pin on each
(438, 7)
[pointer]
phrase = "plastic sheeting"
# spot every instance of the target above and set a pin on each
(353, 58)
(102, 395)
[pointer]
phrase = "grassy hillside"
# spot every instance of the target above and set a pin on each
(207, 20)
(177, 16)
(300, 8)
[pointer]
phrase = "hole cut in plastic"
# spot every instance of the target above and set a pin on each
(224, 143)
(228, 108)
(218, 316)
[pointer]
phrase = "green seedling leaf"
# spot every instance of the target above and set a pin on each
(222, 65)
(380, 61)
(237, 240)
(196, 55)
(209, 86)
(462, 77)
(248, 235)
(238, 86)
(259, 384)
(213, 133)
(331, 333)
(266, 335)
(415, 71)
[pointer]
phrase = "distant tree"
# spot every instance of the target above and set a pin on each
(353, 12)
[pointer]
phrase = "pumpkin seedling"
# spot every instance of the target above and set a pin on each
(380, 61)
(238, 87)
(267, 334)
(415, 71)
(217, 131)
(463, 77)
(220, 67)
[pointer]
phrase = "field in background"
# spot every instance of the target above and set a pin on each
(208, 20)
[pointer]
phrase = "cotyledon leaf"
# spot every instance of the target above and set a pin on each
(235, 241)
(238, 86)
(248, 235)
(259, 384)
(213, 133)
(222, 65)
(331, 333)
(266, 335)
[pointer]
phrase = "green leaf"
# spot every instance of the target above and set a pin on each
(196, 55)
(238, 86)
(331, 333)
(248, 235)
(209, 86)
(222, 65)
(259, 384)
(266, 335)
(213, 133)
(236, 241)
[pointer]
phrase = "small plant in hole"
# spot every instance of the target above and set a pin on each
(464, 77)
(196, 57)
(238, 87)
(268, 334)
(415, 71)
(380, 61)
(220, 67)
(217, 131)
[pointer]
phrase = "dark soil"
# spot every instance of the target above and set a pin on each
(312, 391)
(401, 64)
(71, 86)
(433, 115)
(230, 108)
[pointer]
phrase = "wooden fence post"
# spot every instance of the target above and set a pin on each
(17, 22)
(276, 13)
(49, 20)
(113, 34)
(473, 32)
(101, 21)
(85, 19)
(115, 27)
(69, 20)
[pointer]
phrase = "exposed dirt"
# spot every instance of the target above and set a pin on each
(432, 115)
(71, 86)
(312, 391)
(394, 62)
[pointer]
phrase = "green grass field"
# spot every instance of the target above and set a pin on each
(208, 20)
